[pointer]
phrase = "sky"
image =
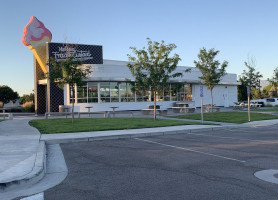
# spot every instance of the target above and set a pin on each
(239, 29)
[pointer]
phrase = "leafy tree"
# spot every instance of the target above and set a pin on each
(249, 77)
(7, 94)
(27, 98)
(211, 69)
(69, 71)
(274, 81)
(153, 66)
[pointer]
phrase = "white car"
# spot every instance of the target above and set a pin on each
(267, 101)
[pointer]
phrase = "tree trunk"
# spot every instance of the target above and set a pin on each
(72, 108)
(154, 101)
(211, 100)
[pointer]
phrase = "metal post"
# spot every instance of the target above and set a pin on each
(202, 116)
(248, 94)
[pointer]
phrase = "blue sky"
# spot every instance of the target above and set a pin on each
(237, 28)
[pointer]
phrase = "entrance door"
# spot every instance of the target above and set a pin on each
(226, 98)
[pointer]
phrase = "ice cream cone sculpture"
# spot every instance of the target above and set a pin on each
(35, 36)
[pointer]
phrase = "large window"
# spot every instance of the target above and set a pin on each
(126, 92)
(114, 91)
(142, 95)
(82, 94)
(104, 92)
(122, 92)
(92, 92)
(181, 92)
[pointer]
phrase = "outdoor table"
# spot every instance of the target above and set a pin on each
(66, 109)
(113, 107)
(89, 109)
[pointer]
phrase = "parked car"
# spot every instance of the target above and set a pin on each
(266, 101)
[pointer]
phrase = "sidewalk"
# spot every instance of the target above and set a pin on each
(21, 154)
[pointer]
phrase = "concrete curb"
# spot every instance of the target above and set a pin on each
(89, 136)
(55, 173)
(13, 178)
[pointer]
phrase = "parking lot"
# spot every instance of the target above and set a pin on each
(203, 165)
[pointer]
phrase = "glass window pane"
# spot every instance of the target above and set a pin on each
(82, 94)
(114, 91)
(130, 93)
(105, 92)
(176, 89)
(92, 92)
(123, 92)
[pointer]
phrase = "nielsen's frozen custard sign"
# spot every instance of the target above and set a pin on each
(87, 54)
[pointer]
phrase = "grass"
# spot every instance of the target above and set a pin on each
(48, 126)
(1, 120)
(267, 110)
(229, 117)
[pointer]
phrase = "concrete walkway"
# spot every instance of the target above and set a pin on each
(21, 154)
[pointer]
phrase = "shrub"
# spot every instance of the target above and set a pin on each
(28, 107)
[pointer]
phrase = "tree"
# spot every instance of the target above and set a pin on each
(211, 69)
(274, 81)
(153, 67)
(27, 98)
(7, 94)
(68, 71)
(249, 77)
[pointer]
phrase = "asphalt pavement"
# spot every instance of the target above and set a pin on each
(217, 164)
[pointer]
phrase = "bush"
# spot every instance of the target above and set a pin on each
(28, 107)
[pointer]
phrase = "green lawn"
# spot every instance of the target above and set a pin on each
(230, 117)
(266, 110)
(1, 120)
(47, 126)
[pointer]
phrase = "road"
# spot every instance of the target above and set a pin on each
(204, 165)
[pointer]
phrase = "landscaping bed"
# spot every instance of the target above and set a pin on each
(48, 126)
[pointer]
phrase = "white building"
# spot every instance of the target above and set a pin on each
(108, 86)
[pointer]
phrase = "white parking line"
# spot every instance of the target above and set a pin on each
(195, 151)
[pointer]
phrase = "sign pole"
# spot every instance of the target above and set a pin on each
(248, 94)
(202, 116)
(202, 95)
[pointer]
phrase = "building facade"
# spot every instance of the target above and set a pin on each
(109, 86)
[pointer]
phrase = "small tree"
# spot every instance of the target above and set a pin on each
(249, 77)
(153, 67)
(209, 67)
(274, 81)
(69, 71)
(27, 98)
(7, 94)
